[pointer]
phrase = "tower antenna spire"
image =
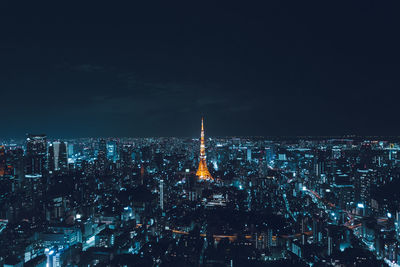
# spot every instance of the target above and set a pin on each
(202, 171)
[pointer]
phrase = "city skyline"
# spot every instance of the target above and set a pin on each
(280, 202)
(199, 134)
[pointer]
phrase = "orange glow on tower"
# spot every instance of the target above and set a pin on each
(202, 171)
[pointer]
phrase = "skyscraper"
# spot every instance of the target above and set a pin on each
(15, 160)
(202, 171)
(162, 194)
(248, 154)
(112, 150)
(3, 165)
(63, 157)
(35, 154)
(56, 146)
(102, 156)
(50, 159)
(57, 157)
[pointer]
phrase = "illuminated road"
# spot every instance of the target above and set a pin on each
(350, 224)
(288, 207)
(217, 237)
(316, 198)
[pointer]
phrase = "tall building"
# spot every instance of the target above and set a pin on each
(7, 167)
(50, 159)
(363, 186)
(248, 154)
(112, 150)
(162, 194)
(202, 171)
(36, 148)
(63, 156)
(102, 157)
(3, 165)
(102, 148)
(56, 146)
(126, 156)
(15, 160)
(57, 157)
(70, 150)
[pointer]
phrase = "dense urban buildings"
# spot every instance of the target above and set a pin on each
(326, 201)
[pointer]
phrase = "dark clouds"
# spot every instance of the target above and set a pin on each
(134, 70)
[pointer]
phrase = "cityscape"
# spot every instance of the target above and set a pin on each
(199, 133)
(230, 201)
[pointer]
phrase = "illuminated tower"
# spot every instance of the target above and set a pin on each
(202, 171)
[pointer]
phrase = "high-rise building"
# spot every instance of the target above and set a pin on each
(162, 194)
(63, 156)
(102, 157)
(112, 150)
(269, 154)
(3, 165)
(202, 171)
(126, 156)
(102, 148)
(36, 148)
(57, 157)
(56, 146)
(7, 167)
(50, 158)
(70, 150)
(363, 186)
(15, 160)
(248, 154)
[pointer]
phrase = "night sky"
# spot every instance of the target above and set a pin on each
(73, 70)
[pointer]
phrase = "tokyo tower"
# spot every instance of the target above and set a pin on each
(202, 171)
